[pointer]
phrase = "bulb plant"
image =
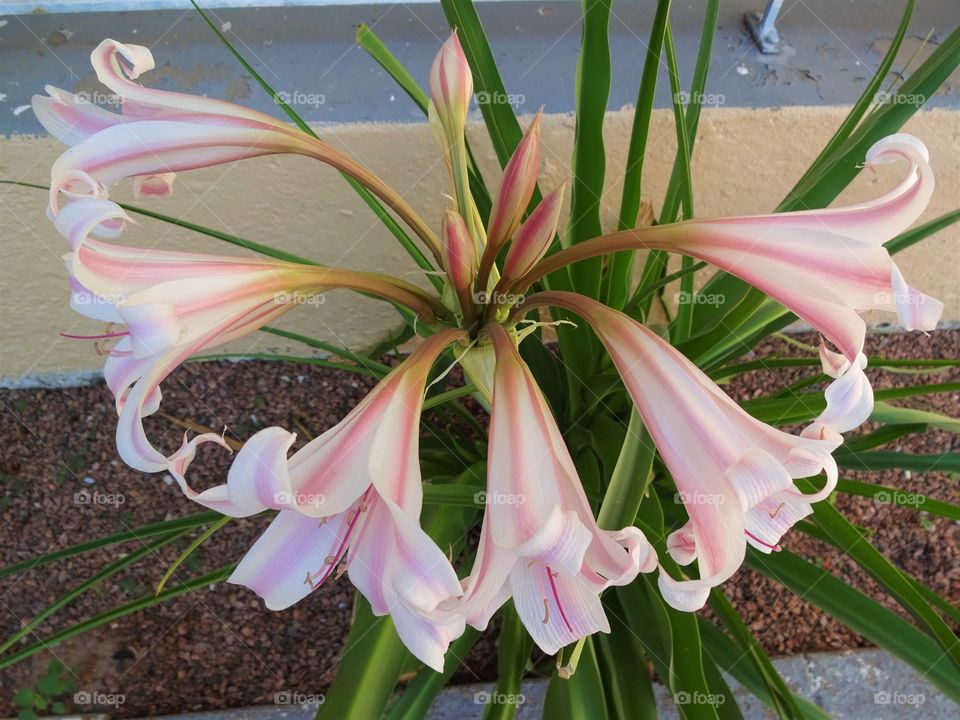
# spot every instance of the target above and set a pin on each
(577, 549)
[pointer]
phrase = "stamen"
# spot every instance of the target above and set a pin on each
(330, 561)
(773, 515)
(102, 336)
(775, 548)
(556, 597)
(546, 611)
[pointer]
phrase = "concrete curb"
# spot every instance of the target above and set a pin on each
(852, 684)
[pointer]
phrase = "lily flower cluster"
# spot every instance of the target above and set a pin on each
(350, 500)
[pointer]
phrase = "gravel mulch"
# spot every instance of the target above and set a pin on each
(217, 648)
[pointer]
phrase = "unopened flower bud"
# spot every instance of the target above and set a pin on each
(519, 181)
(459, 250)
(451, 85)
(534, 236)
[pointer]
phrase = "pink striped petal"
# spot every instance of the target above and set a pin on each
(280, 563)
(516, 188)
(556, 609)
(535, 235)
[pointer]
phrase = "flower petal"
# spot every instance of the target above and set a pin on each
(279, 565)
(556, 610)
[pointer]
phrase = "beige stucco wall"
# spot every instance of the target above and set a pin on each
(745, 162)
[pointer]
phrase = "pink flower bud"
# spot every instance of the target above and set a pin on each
(533, 238)
(519, 181)
(451, 84)
(459, 250)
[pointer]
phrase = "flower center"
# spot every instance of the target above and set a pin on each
(341, 543)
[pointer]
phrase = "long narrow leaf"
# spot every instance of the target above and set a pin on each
(863, 615)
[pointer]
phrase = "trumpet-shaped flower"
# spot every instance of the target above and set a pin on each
(827, 266)
(540, 543)
(735, 475)
(352, 495)
(175, 304)
(161, 133)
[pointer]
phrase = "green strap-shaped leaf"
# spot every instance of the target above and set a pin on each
(780, 696)
(894, 496)
(852, 543)
(419, 695)
(620, 267)
(630, 693)
(163, 527)
(146, 601)
(861, 614)
(656, 263)
(512, 656)
(65, 599)
(683, 323)
(886, 460)
(582, 694)
(589, 156)
(630, 479)
(729, 656)
(866, 99)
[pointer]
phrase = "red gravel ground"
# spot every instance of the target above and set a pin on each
(219, 648)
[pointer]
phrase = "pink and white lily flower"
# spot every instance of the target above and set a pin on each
(827, 266)
(350, 500)
(176, 304)
(352, 495)
(737, 485)
(161, 133)
(540, 543)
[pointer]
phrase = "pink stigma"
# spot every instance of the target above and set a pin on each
(556, 597)
(341, 548)
(775, 548)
